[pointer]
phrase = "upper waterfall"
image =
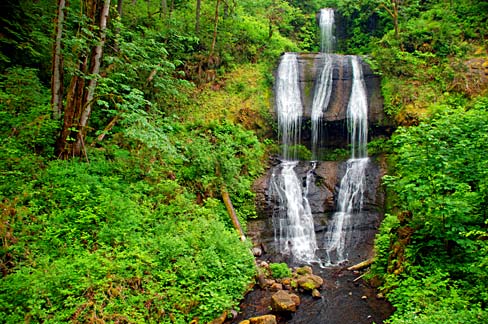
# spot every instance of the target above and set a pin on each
(326, 24)
(288, 103)
(321, 98)
(357, 111)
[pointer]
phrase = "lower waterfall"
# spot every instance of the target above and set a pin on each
(294, 220)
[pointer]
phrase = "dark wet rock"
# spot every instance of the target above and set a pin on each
(310, 66)
(333, 128)
(283, 301)
(322, 197)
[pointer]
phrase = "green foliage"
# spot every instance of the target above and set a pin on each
(433, 299)
(26, 35)
(118, 248)
(27, 131)
(378, 145)
(431, 254)
(280, 270)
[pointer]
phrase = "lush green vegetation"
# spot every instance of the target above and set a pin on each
(431, 249)
(129, 226)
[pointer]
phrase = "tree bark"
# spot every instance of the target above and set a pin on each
(94, 71)
(81, 91)
(393, 12)
(197, 16)
(119, 7)
(216, 23)
(57, 64)
(164, 9)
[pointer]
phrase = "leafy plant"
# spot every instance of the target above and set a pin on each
(279, 270)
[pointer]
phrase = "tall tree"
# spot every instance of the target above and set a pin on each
(197, 16)
(57, 64)
(392, 8)
(81, 91)
(216, 23)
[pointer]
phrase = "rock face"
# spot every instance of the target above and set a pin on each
(322, 197)
(310, 66)
(333, 128)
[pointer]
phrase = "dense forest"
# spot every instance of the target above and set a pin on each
(127, 127)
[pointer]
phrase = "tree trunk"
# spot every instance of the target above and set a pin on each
(163, 11)
(57, 65)
(216, 23)
(361, 265)
(197, 16)
(393, 12)
(395, 18)
(94, 71)
(81, 91)
(119, 7)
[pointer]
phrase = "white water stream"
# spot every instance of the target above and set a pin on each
(289, 106)
(351, 191)
(296, 234)
(323, 84)
(326, 24)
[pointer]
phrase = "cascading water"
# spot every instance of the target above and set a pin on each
(295, 235)
(326, 24)
(351, 191)
(294, 220)
(357, 112)
(302, 195)
(323, 85)
(321, 98)
(288, 104)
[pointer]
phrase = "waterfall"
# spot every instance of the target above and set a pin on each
(321, 98)
(357, 111)
(294, 221)
(351, 190)
(288, 104)
(326, 24)
(323, 84)
(296, 234)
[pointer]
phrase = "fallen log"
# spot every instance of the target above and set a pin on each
(361, 265)
(231, 212)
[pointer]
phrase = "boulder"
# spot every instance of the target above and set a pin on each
(276, 286)
(283, 301)
(304, 270)
(310, 282)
